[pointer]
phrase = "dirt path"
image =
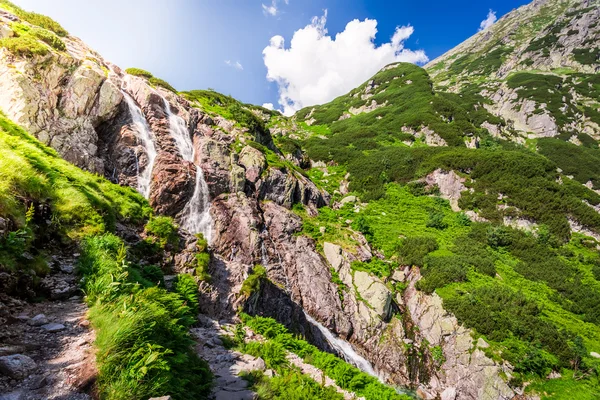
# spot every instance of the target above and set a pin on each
(46, 348)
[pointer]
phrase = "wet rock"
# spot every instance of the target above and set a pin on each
(38, 320)
(17, 365)
(173, 183)
(53, 327)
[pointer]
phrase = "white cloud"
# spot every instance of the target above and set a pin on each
(488, 21)
(268, 106)
(234, 64)
(316, 68)
(270, 10)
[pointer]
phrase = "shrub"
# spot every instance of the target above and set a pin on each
(436, 220)
(412, 250)
(163, 230)
(202, 262)
(139, 72)
(34, 18)
(25, 46)
(252, 284)
(440, 271)
(162, 83)
(187, 288)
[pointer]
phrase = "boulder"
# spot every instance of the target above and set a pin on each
(38, 320)
(173, 183)
(333, 254)
(254, 163)
(449, 394)
(17, 365)
(374, 292)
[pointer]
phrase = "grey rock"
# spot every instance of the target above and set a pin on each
(53, 327)
(482, 344)
(38, 320)
(16, 395)
(17, 365)
(333, 254)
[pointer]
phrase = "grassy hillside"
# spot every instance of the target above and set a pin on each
(532, 294)
(144, 349)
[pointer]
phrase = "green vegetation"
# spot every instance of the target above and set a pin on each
(228, 107)
(144, 348)
(24, 46)
(202, 258)
(290, 385)
(46, 199)
(345, 375)
(580, 162)
(154, 81)
(33, 18)
(252, 283)
(410, 102)
(163, 231)
(162, 83)
(587, 56)
(139, 72)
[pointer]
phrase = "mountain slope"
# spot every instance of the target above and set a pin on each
(415, 227)
(538, 65)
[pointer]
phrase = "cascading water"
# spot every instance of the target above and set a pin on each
(344, 349)
(143, 133)
(195, 217)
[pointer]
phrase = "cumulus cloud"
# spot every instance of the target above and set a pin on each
(316, 67)
(272, 9)
(269, 106)
(488, 21)
(234, 64)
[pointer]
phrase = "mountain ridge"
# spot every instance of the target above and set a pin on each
(412, 227)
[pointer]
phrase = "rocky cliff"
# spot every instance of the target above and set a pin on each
(277, 189)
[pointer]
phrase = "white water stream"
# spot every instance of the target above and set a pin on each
(195, 216)
(344, 349)
(144, 135)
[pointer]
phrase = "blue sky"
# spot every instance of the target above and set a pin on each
(187, 42)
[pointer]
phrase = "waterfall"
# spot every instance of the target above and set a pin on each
(344, 349)
(142, 131)
(195, 216)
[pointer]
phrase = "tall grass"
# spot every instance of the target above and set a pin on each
(144, 348)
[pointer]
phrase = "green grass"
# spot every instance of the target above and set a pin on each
(34, 19)
(152, 80)
(345, 375)
(81, 203)
(24, 46)
(48, 200)
(139, 72)
(143, 345)
(290, 385)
